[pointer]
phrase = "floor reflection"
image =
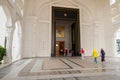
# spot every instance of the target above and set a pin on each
(103, 68)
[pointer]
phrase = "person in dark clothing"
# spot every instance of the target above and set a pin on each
(102, 55)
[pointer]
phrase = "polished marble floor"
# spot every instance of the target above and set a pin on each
(64, 68)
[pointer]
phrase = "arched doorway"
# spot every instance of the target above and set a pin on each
(3, 21)
(117, 43)
(16, 44)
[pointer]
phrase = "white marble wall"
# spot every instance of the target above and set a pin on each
(95, 21)
(38, 26)
(95, 25)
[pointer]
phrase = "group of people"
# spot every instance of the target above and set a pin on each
(65, 52)
(94, 54)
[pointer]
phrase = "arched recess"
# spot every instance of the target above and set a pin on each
(38, 9)
(16, 44)
(3, 21)
(43, 12)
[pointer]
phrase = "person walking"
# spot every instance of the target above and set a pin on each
(82, 51)
(95, 55)
(102, 55)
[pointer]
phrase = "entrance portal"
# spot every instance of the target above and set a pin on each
(65, 31)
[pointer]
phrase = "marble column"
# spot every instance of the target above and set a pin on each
(8, 58)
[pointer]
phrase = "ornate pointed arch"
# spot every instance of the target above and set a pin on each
(76, 4)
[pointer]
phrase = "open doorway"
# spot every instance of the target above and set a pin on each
(59, 48)
(16, 44)
(65, 28)
(117, 43)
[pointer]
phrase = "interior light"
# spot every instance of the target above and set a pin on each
(65, 14)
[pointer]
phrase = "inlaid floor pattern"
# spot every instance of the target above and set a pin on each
(64, 68)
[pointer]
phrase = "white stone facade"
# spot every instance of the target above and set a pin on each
(95, 25)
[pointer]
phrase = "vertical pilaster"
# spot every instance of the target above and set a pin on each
(8, 58)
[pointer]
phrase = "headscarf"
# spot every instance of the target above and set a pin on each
(95, 53)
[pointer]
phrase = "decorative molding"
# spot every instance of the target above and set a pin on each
(85, 24)
(65, 6)
(32, 19)
(20, 17)
(98, 23)
(116, 23)
(75, 5)
(43, 45)
(9, 29)
(44, 21)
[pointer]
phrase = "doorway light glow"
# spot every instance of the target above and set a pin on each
(56, 44)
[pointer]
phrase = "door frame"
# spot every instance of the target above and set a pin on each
(53, 40)
(59, 42)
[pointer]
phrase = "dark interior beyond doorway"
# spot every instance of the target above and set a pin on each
(65, 28)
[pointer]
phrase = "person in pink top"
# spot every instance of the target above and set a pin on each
(82, 51)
